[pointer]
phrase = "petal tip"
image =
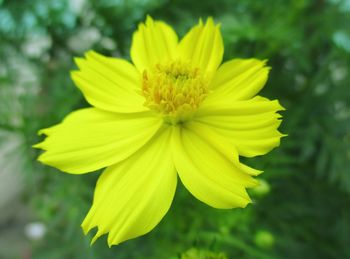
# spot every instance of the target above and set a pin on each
(149, 20)
(85, 228)
(44, 131)
(259, 172)
(93, 55)
(283, 135)
(200, 22)
(74, 74)
(112, 241)
(41, 159)
(41, 132)
(246, 203)
(38, 145)
(97, 235)
(210, 19)
(79, 62)
(280, 108)
(89, 54)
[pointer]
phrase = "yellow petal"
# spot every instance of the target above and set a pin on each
(221, 144)
(110, 84)
(91, 139)
(251, 126)
(208, 173)
(154, 42)
(203, 47)
(238, 79)
(132, 197)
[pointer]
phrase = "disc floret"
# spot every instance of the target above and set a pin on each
(174, 89)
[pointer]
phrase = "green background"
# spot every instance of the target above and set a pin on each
(301, 210)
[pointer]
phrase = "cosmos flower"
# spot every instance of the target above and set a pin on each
(174, 111)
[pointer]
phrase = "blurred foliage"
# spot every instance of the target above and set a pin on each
(202, 254)
(301, 210)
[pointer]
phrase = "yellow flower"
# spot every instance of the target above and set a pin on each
(174, 111)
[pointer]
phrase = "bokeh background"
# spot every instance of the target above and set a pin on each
(301, 209)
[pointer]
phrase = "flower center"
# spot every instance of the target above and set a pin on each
(174, 89)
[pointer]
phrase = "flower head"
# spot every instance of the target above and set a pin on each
(174, 111)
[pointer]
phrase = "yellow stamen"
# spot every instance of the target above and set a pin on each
(174, 89)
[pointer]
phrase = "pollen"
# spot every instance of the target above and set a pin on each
(175, 90)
